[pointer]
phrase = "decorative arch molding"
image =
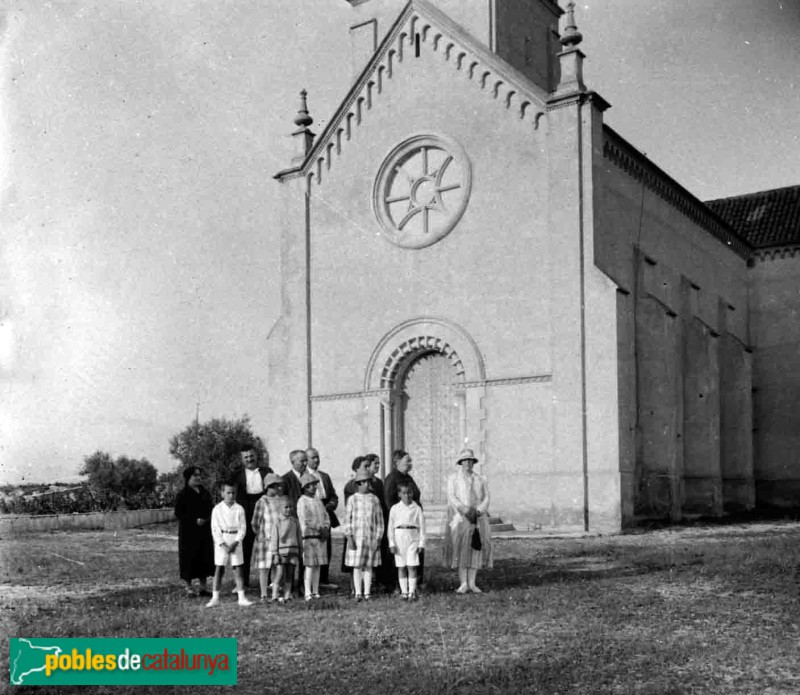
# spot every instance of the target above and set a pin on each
(417, 337)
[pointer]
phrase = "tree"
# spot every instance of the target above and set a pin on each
(215, 447)
(135, 475)
(124, 477)
(101, 471)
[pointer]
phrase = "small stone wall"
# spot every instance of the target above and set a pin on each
(12, 525)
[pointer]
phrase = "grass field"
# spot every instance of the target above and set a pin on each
(695, 610)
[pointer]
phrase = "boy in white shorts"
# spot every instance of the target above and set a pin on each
(406, 535)
(228, 527)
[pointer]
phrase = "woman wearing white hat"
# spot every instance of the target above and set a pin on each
(467, 540)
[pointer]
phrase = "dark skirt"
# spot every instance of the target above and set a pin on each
(345, 568)
(195, 545)
(195, 554)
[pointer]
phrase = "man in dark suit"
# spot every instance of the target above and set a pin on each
(249, 488)
(330, 499)
(294, 491)
(291, 479)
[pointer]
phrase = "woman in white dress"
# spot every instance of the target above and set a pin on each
(467, 539)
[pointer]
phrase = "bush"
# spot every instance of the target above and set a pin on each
(86, 499)
(125, 477)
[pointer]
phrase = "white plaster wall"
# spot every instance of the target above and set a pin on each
(524, 481)
(287, 359)
(485, 275)
(602, 402)
(342, 432)
(775, 326)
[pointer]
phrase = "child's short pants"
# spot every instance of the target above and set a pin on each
(291, 558)
(222, 556)
(407, 545)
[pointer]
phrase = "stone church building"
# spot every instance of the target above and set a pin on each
(471, 257)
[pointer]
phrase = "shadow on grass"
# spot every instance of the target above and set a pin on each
(514, 574)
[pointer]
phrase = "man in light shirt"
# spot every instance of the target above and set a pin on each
(249, 488)
(327, 494)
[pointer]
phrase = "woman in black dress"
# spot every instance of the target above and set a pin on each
(193, 507)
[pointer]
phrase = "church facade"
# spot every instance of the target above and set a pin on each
(470, 257)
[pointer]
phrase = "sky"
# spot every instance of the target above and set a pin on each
(139, 272)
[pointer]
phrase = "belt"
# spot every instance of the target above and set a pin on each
(229, 530)
(407, 527)
(317, 536)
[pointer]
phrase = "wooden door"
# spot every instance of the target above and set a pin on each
(432, 412)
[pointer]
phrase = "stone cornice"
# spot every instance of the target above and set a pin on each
(772, 253)
(465, 53)
(625, 156)
(511, 381)
(377, 393)
(386, 392)
(560, 101)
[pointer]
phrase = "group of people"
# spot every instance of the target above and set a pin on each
(281, 526)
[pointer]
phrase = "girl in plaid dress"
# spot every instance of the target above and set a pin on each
(315, 526)
(265, 517)
(363, 528)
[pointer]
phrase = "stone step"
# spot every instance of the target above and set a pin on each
(436, 518)
(499, 528)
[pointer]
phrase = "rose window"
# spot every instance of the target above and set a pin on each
(421, 191)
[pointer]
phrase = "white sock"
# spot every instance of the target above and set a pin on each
(241, 594)
(403, 585)
(367, 582)
(315, 580)
(307, 580)
(357, 576)
(412, 585)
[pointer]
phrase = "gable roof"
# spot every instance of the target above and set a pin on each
(503, 82)
(765, 218)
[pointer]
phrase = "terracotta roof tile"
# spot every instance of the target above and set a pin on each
(765, 218)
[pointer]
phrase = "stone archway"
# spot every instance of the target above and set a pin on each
(431, 374)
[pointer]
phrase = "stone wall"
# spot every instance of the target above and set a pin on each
(684, 373)
(775, 325)
(13, 525)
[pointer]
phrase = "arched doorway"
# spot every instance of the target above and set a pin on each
(428, 373)
(430, 419)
